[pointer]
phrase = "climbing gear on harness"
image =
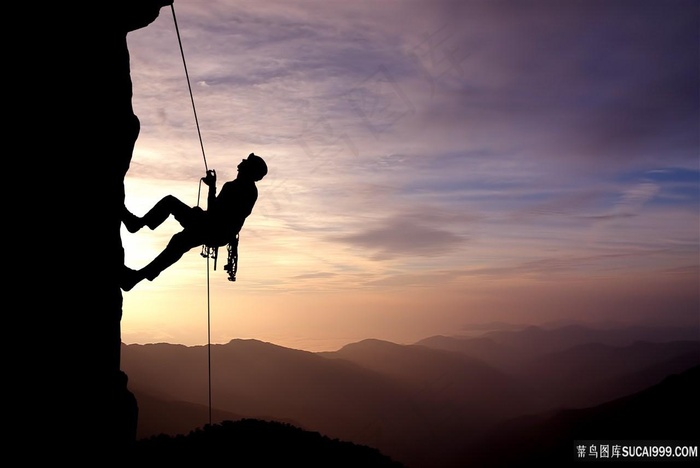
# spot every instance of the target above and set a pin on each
(231, 266)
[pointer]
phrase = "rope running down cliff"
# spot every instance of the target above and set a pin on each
(206, 170)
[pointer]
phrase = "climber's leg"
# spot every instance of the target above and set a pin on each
(179, 244)
(132, 222)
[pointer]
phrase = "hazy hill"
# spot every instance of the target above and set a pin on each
(506, 349)
(667, 411)
(473, 388)
(576, 366)
(263, 381)
(163, 416)
(588, 374)
(419, 405)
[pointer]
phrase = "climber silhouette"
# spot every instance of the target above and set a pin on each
(215, 227)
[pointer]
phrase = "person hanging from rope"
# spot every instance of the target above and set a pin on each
(217, 226)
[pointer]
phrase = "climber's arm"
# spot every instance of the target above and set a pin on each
(210, 181)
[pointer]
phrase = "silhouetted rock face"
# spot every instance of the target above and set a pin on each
(80, 129)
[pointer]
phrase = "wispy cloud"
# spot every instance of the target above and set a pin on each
(404, 236)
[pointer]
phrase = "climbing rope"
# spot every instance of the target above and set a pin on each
(206, 170)
(189, 86)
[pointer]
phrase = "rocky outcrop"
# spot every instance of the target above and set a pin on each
(77, 129)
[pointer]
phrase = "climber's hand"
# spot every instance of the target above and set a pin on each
(210, 178)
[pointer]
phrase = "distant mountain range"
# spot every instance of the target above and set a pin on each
(424, 405)
(666, 412)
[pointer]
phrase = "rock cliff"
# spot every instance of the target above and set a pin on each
(76, 129)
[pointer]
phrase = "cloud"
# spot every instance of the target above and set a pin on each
(632, 199)
(535, 72)
(404, 236)
(316, 275)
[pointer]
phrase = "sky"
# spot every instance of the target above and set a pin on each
(433, 166)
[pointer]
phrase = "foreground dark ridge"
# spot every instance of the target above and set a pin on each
(253, 442)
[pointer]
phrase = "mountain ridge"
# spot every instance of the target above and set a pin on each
(420, 406)
(667, 410)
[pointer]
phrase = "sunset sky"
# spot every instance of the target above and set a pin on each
(434, 165)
